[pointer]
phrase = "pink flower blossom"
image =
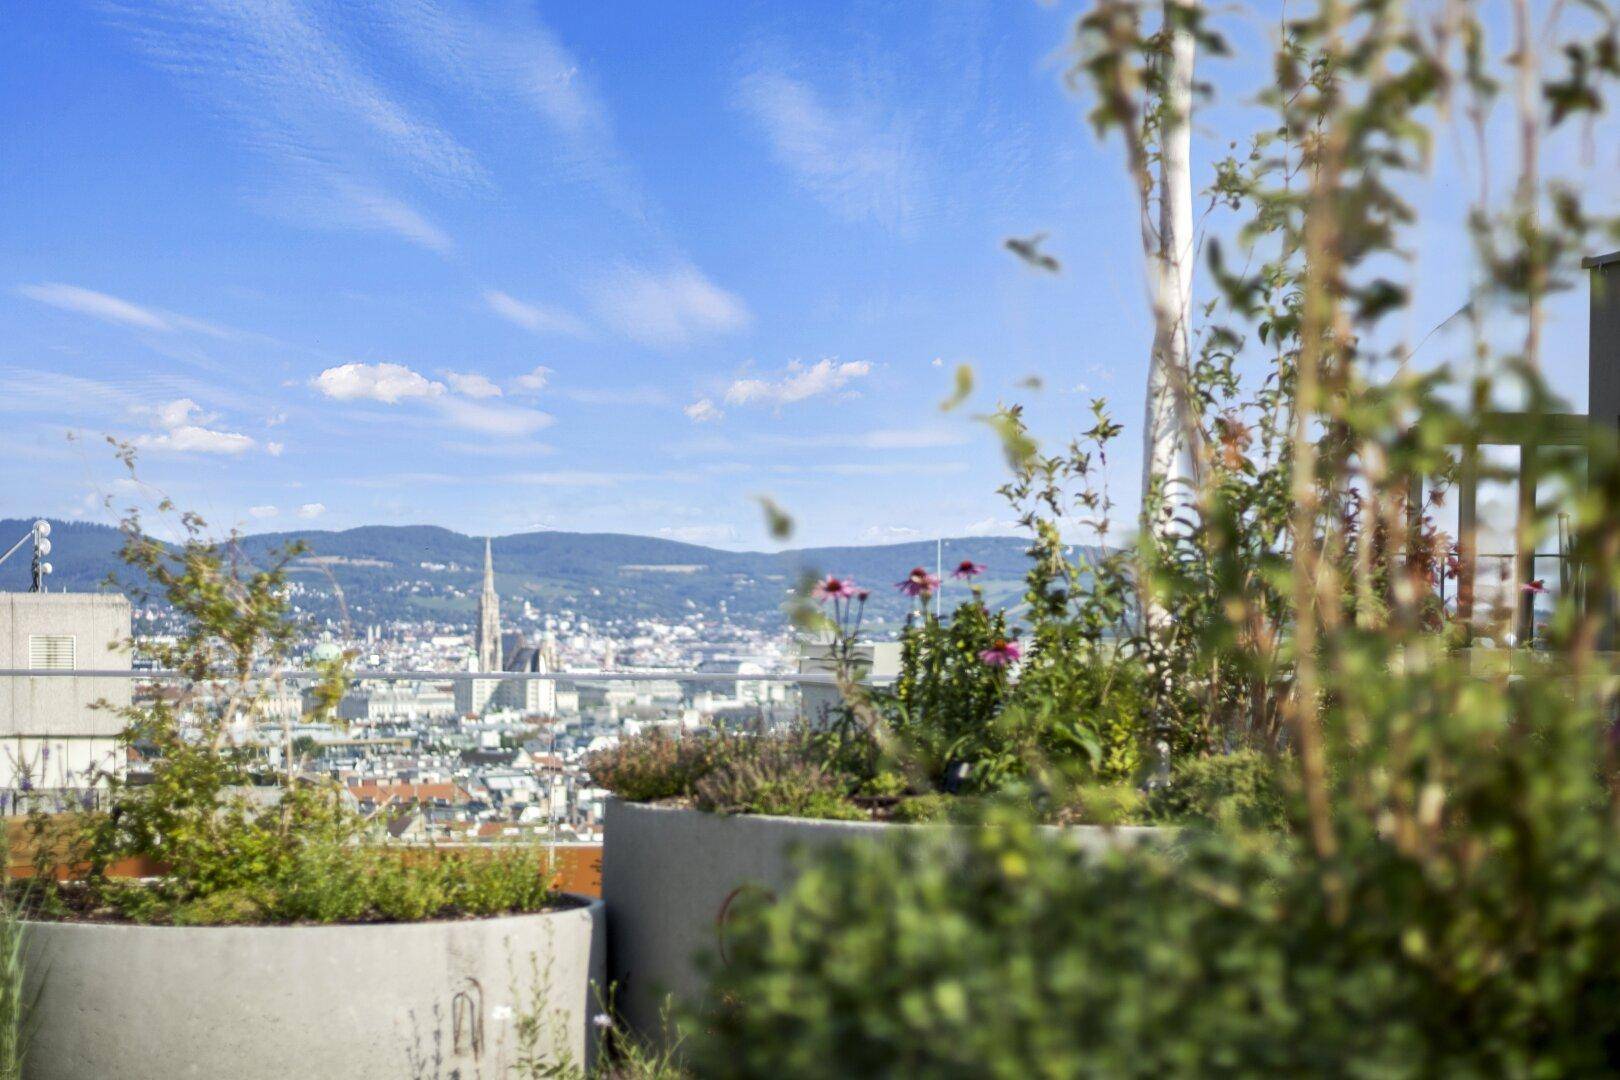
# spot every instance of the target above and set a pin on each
(832, 588)
(968, 569)
(1001, 653)
(918, 583)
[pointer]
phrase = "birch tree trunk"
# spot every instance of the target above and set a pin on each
(1165, 452)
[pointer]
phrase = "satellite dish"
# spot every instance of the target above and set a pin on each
(44, 547)
(42, 528)
(45, 568)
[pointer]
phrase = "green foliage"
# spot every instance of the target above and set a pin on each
(300, 855)
(1416, 871)
(777, 776)
(16, 1006)
(922, 809)
(1242, 790)
(946, 698)
(654, 764)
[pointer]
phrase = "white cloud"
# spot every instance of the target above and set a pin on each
(184, 430)
(263, 511)
(889, 534)
(991, 526)
(190, 439)
(311, 510)
(534, 382)
(506, 421)
(275, 420)
(668, 309)
(274, 449)
(703, 411)
(859, 164)
(113, 309)
(797, 383)
(700, 534)
(471, 384)
(387, 383)
(539, 318)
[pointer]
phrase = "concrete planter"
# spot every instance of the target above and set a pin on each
(668, 874)
(385, 1001)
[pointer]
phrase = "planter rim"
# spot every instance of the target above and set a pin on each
(576, 902)
(670, 808)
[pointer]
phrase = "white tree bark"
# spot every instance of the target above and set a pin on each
(1165, 453)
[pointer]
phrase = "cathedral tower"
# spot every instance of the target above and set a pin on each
(488, 637)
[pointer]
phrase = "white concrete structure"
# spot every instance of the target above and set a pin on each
(669, 874)
(366, 1002)
(60, 731)
(875, 661)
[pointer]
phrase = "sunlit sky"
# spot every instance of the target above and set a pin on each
(615, 266)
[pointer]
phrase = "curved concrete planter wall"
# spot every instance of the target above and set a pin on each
(419, 1000)
(667, 874)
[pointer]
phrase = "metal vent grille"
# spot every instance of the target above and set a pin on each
(51, 652)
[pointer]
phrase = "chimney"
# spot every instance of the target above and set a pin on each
(1603, 356)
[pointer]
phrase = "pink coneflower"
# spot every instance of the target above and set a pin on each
(863, 595)
(1536, 586)
(1002, 653)
(967, 569)
(832, 588)
(918, 583)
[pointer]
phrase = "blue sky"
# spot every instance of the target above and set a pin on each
(503, 266)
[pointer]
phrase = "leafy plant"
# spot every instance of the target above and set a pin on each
(776, 775)
(653, 764)
(300, 855)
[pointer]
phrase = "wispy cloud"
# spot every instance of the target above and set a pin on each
(798, 382)
(504, 421)
(856, 161)
(302, 98)
(471, 384)
(499, 55)
(261, 512)
(700, 534)
(889, 534)
(538, 318)
(668, 308)
(626, 396)
(883, 439)
(113, 309)
(311, 510)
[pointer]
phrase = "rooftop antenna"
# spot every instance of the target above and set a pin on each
(39, 534)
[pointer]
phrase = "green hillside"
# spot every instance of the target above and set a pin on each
(386, 572)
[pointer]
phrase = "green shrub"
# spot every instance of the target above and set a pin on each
(654, 764)
(922, 809)
(1009, 954)
(1241, 789)
(779, 776)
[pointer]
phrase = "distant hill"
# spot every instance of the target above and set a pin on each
(419, 572)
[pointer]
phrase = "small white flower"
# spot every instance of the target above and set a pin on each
(602, 1020)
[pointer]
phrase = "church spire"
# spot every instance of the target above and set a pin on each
(488, 637)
